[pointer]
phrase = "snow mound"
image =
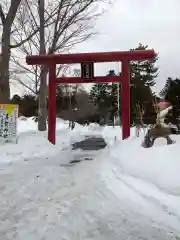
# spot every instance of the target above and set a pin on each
(159, 165)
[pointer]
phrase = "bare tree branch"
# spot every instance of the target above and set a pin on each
(67, 23)
(5, 48)
(2, 16)
(25, 85)
(12, 12)
(29, 37)
(35, 29)
(25, 40)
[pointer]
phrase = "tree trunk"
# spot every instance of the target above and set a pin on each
(107, 117)
(6, 49)
(42, 111)
(4, 66)
(70, 111)
(42, 108)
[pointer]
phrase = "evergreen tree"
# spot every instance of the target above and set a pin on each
(164, 92)
(100, 96)
(113, 96)
(145, 70)
(143, 75)
(100, 93)
(171, 92)
(104, 97)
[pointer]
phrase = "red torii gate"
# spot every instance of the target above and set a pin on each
(87, 76)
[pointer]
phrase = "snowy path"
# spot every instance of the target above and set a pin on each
(94, 200)
(40, 200)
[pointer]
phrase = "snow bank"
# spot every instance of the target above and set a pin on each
(33, 144)
(158, 165)
(26, 125)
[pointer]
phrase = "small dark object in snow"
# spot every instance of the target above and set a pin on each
(88, 158)
(75, 161)
(90, 144)
(85, 159)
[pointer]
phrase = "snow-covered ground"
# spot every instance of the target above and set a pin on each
(125, 193)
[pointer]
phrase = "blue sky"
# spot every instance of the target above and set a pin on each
(155, 23)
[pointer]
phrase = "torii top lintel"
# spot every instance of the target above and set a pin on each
(71, 58)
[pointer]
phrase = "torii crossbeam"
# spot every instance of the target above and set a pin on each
(87, 76)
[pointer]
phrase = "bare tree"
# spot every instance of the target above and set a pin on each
(7, 21)
(68, 23)
(10, 13)
(139, 123)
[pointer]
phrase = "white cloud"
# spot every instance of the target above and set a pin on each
(155, 23)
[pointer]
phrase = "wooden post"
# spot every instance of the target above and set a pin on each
(52, 104)
(125, 100)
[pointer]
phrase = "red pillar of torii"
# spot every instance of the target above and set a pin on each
(87, 76)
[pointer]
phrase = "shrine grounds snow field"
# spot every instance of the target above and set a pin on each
(125, 193)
